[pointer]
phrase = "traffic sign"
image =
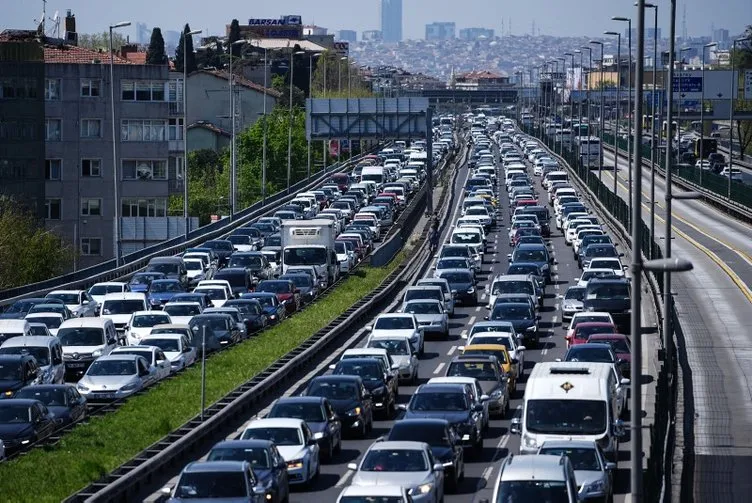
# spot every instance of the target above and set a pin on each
(748, 84)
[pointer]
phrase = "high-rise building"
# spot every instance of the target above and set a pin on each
(440, 31)
(372, 36)
(476, 33)
(391, 20)
(347, 36)
(143, 33)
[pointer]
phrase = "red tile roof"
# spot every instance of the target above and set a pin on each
(78, 55)
(137, 58)
(479, 75)
(242, 81)
(211, 127)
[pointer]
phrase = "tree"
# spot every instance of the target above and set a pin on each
(208, 57)
(742, 59)
(185, 44)
(101, 41)
(281, 85)
(234, 36)
(28, 252)
(208, 185)
(155, 54)
(330, 78)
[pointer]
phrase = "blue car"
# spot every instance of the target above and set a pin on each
(161, 291)
(536, 254)
(523, 318)
(141, 280)
(273, 308)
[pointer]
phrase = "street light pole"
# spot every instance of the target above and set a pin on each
(263, 148)
(310, 94)
(561, 99)
(600, 164)
(115, 171)
(618, 105)
(630, 116)
(702, 110)
(289, 123)
(185, 132)
(589, 73)
(734, 87)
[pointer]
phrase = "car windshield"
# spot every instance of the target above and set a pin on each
(81, 336)
(40, 353)
(193, 265)
(50, 321)
(500, 355)
(51, 397)
(264, 300)
(586, 318)
(575, 294)
(300, 280)
(398, 347)
(105, 289)
(426, 401)
(523, 269)
(279, 435)
(165, 286)
(371, 499)
(452, 263)
(429, 433)
(274, 287)
(614, 291)
(67, 298)
(211, 485)
(397, 460)
(257, 457)
(366, 372)
(182, 309)
(585, 331)
(465, 238)
(584, 459)
(165, 268)
(333, 390)
(217, 293)
(566, 416)
(273, 240)
(582, 353)
(112, 368)
(530, 256)
(10, 371)
(47, 308)
(511, 312)
(123, 306)
(394, 323)
(305, 256)
(550, 491)
(217, 323)
(601, 251)
(482, 371)
(309, 412)
(617, 345)
(239, 240)
(166, 345)
(417, 307)
(501, 287)
(457, 277)
(14, 414)
(422, 294)
(149, 320)
(454, 251)
(236, 279)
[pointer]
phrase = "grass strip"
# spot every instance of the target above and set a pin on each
(92, 450)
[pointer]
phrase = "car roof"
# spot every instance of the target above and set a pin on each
(398, 444)
(275, 422)
(586, 324)
(27, 402)
(29, 340)
(592, 345)
(246, 443)
(64, 291)
(215, 466)
(379, 490)
(119, 356)
(443, 386)
(300, 399)
(540, 467)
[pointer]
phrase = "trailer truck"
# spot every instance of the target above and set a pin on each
(310, 243)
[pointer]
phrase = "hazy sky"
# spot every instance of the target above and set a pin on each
(556, 17)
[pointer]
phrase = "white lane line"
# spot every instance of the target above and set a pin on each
(544, 351)
(439, 367)
(477, 309)
(344, 478)
(555, 318)
(503, 442)
(463, 334)
(451, 350)
(487, 473)
(471, 320)
(483, 296)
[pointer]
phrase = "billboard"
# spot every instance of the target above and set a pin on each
(717, 84)
(284, 27)
(342, 48)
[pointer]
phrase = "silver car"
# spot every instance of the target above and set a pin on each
(116, 376)
(402, 354)
(407, 464)
(79, 302)
(593, 473)
(572, 302)
(431, 315)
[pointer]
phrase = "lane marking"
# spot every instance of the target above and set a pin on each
(463, 334)
(344, 478)
(439, 367)
(487, 473)
(477, 309)
(471, 320)
(451, 350)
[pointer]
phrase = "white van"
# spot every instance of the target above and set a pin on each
(554, 176)
(119, 307)
(48, 352)
(14, 328)
(570, 400)
(467, 236)
(373, 174)
(84, 340)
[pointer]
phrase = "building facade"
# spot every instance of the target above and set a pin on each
(440, 31)
(476, 33)
(372, 36)
(391, 20)
(347, 36)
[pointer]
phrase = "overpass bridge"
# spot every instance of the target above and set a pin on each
(471, 97)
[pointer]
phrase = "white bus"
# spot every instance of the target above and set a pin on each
(576, 400)
(590, 150)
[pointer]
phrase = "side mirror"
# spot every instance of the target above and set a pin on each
(521, 348)
(509, 256)
(515, 427)
(166, 490)
(438, 467)
(352, 466)
(484, 398)
(610, 466)
(369, 328)
(625, 382)
(558, 360)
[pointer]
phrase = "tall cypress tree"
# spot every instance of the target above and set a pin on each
(185, 44)
(234, 36)
(156, 54)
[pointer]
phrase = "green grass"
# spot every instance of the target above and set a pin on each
(92, 450)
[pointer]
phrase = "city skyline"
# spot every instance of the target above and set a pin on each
(561, 18)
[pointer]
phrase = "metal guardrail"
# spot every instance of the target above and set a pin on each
(138, 260)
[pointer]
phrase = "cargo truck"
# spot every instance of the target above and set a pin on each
(310, 243)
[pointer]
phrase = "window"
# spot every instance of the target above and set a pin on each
(53, 169)
(143, 90)
(53, 129)
(53, 209)
(18, 88)
(91, 167)
(91, 128)
(91, 207)
(134, 207)
(52, 89)
(176, 129)
(142, 130)
(144, 170)
(90, 88)
(91, 246)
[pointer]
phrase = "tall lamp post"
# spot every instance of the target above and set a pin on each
(600, 164)
(185, 132)
(349, 80)
(630, 115)
(589, 72)
(702, 110)
(561, 99)
(653, 135)
(618, 103)
(571, 107)
(115, 170)
(263, 147)
(679, 108)
(310, 94)
(233, 119)
(289, 123)
(734, 87)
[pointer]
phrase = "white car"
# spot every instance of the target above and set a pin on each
(175, 347)
(99, 290)
(402, 354)
(587, 317)
(392, 493)
(612, 263)
(51, 320)
(217, 293)
(141, 323)
(195, 269)
(398, 324)
(79, 302)
(507, 339)
(408, 464)
(589, 274)
(154, 355)
(182, 312)
(295, 442)
(116, 376)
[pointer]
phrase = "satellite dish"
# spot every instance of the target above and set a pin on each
(144, 171)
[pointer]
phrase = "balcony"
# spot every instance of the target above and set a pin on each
(176, 107)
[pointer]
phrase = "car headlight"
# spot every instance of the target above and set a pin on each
(354, 412)
(530, 441)
(129, 387)
(531, 329)
(496, 394)
(471, 290)
(294, 464)
(423, 489)
(318, 435)
(595, 487)
(96, 353)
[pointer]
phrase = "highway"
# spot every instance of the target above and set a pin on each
(480, 470)
(714, 305)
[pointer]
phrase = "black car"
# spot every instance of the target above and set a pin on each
(255, 237)
(201, 298)
(16, 371)
(20, 308)
(350, 399)
(220, 330)
(303, 282)
(375, 379)
(611, 295)
(462, 284)
(274, 309)
(222, 249)
(601, 250)
(238, 277)
(62, 400)
(252, 313)
(444, 442)
(319, 415)
(266, 229)
(256, 263)
(591, 352)
(453, 403)
(23, 422)
(266, 462)
(523, 318)
(591, 240)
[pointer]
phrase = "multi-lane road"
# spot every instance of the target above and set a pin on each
(481, 469)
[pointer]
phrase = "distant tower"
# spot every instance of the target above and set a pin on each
(684, 23)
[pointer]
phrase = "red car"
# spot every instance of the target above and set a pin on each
(525, 202)
(621, 346)
(583, 331)
(524, 231)
(285, 291)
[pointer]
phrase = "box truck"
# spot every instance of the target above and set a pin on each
(310, 242)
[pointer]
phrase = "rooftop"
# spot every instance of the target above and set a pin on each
(241, 81)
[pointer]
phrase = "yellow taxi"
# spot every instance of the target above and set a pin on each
(490, 198)
(502, 355)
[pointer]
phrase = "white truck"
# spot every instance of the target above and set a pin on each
(310, 242)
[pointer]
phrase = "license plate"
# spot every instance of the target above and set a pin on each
(76, 365)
